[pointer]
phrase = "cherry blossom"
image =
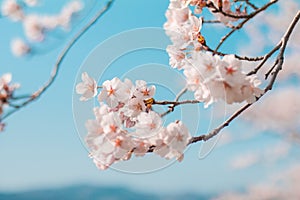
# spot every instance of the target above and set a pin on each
(175, 139)
(19, 47)
(113, 92)
(12, 9)
(148, 123)
(33, 28)
(142, 91)
(87, 88)
(182, 26)
(7, 90)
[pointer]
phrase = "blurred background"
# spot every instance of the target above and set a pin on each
(42, 155)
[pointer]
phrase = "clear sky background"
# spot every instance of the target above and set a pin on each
(41, 147)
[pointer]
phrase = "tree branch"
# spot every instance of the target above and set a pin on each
(241, 24)
(59, 60)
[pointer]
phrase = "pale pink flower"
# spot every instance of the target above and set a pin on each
(12, 9)
(178, 136)
(194, 78)
(5, 79)
(49, 22)
(177, 57)
(87, 88)
(94, 136)
(100, 111)
(148, 124)
(19, 47)
(103, 161)
(33, 28)
(113, 92)
(111, 123)
(143, 91)
(134, 107)
(141, 146)
(230, 70)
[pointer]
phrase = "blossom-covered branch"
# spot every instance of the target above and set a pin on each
(126, 122)
(278, 63)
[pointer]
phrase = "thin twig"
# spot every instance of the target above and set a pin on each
(248, 3)
(59, 60)
(241, 24)
(210, 21)
(265, 58)
(280, 56)
(247, 16)
(175, 103)
(178, 96)
(245, 58)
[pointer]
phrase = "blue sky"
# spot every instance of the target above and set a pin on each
(41, 147)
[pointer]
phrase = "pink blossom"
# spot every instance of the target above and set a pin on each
(19, 47)
(87, 88)
(34, 29)
(113, 92)
(12, 9)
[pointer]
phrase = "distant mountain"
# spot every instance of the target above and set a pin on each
(94, 193)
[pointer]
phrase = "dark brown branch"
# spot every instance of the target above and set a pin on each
(210, 21)
(59, 60)
(251, 15)
(280, 57)
(248, 3)
(175, 103)
(246, 58)
(171, 108)
(265, 58)
(241, 24)
(217, 130)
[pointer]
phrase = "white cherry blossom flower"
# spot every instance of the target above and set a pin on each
(34, 29)
(12, 9)
(87, 88)
(143, 91)
(113, 92)
(19, 47)
(148, 124)
(178, 136)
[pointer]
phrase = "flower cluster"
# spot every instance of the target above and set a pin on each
(6, 93)
(183, 28)
(125, 123)
(210, 77)
(36, 26)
